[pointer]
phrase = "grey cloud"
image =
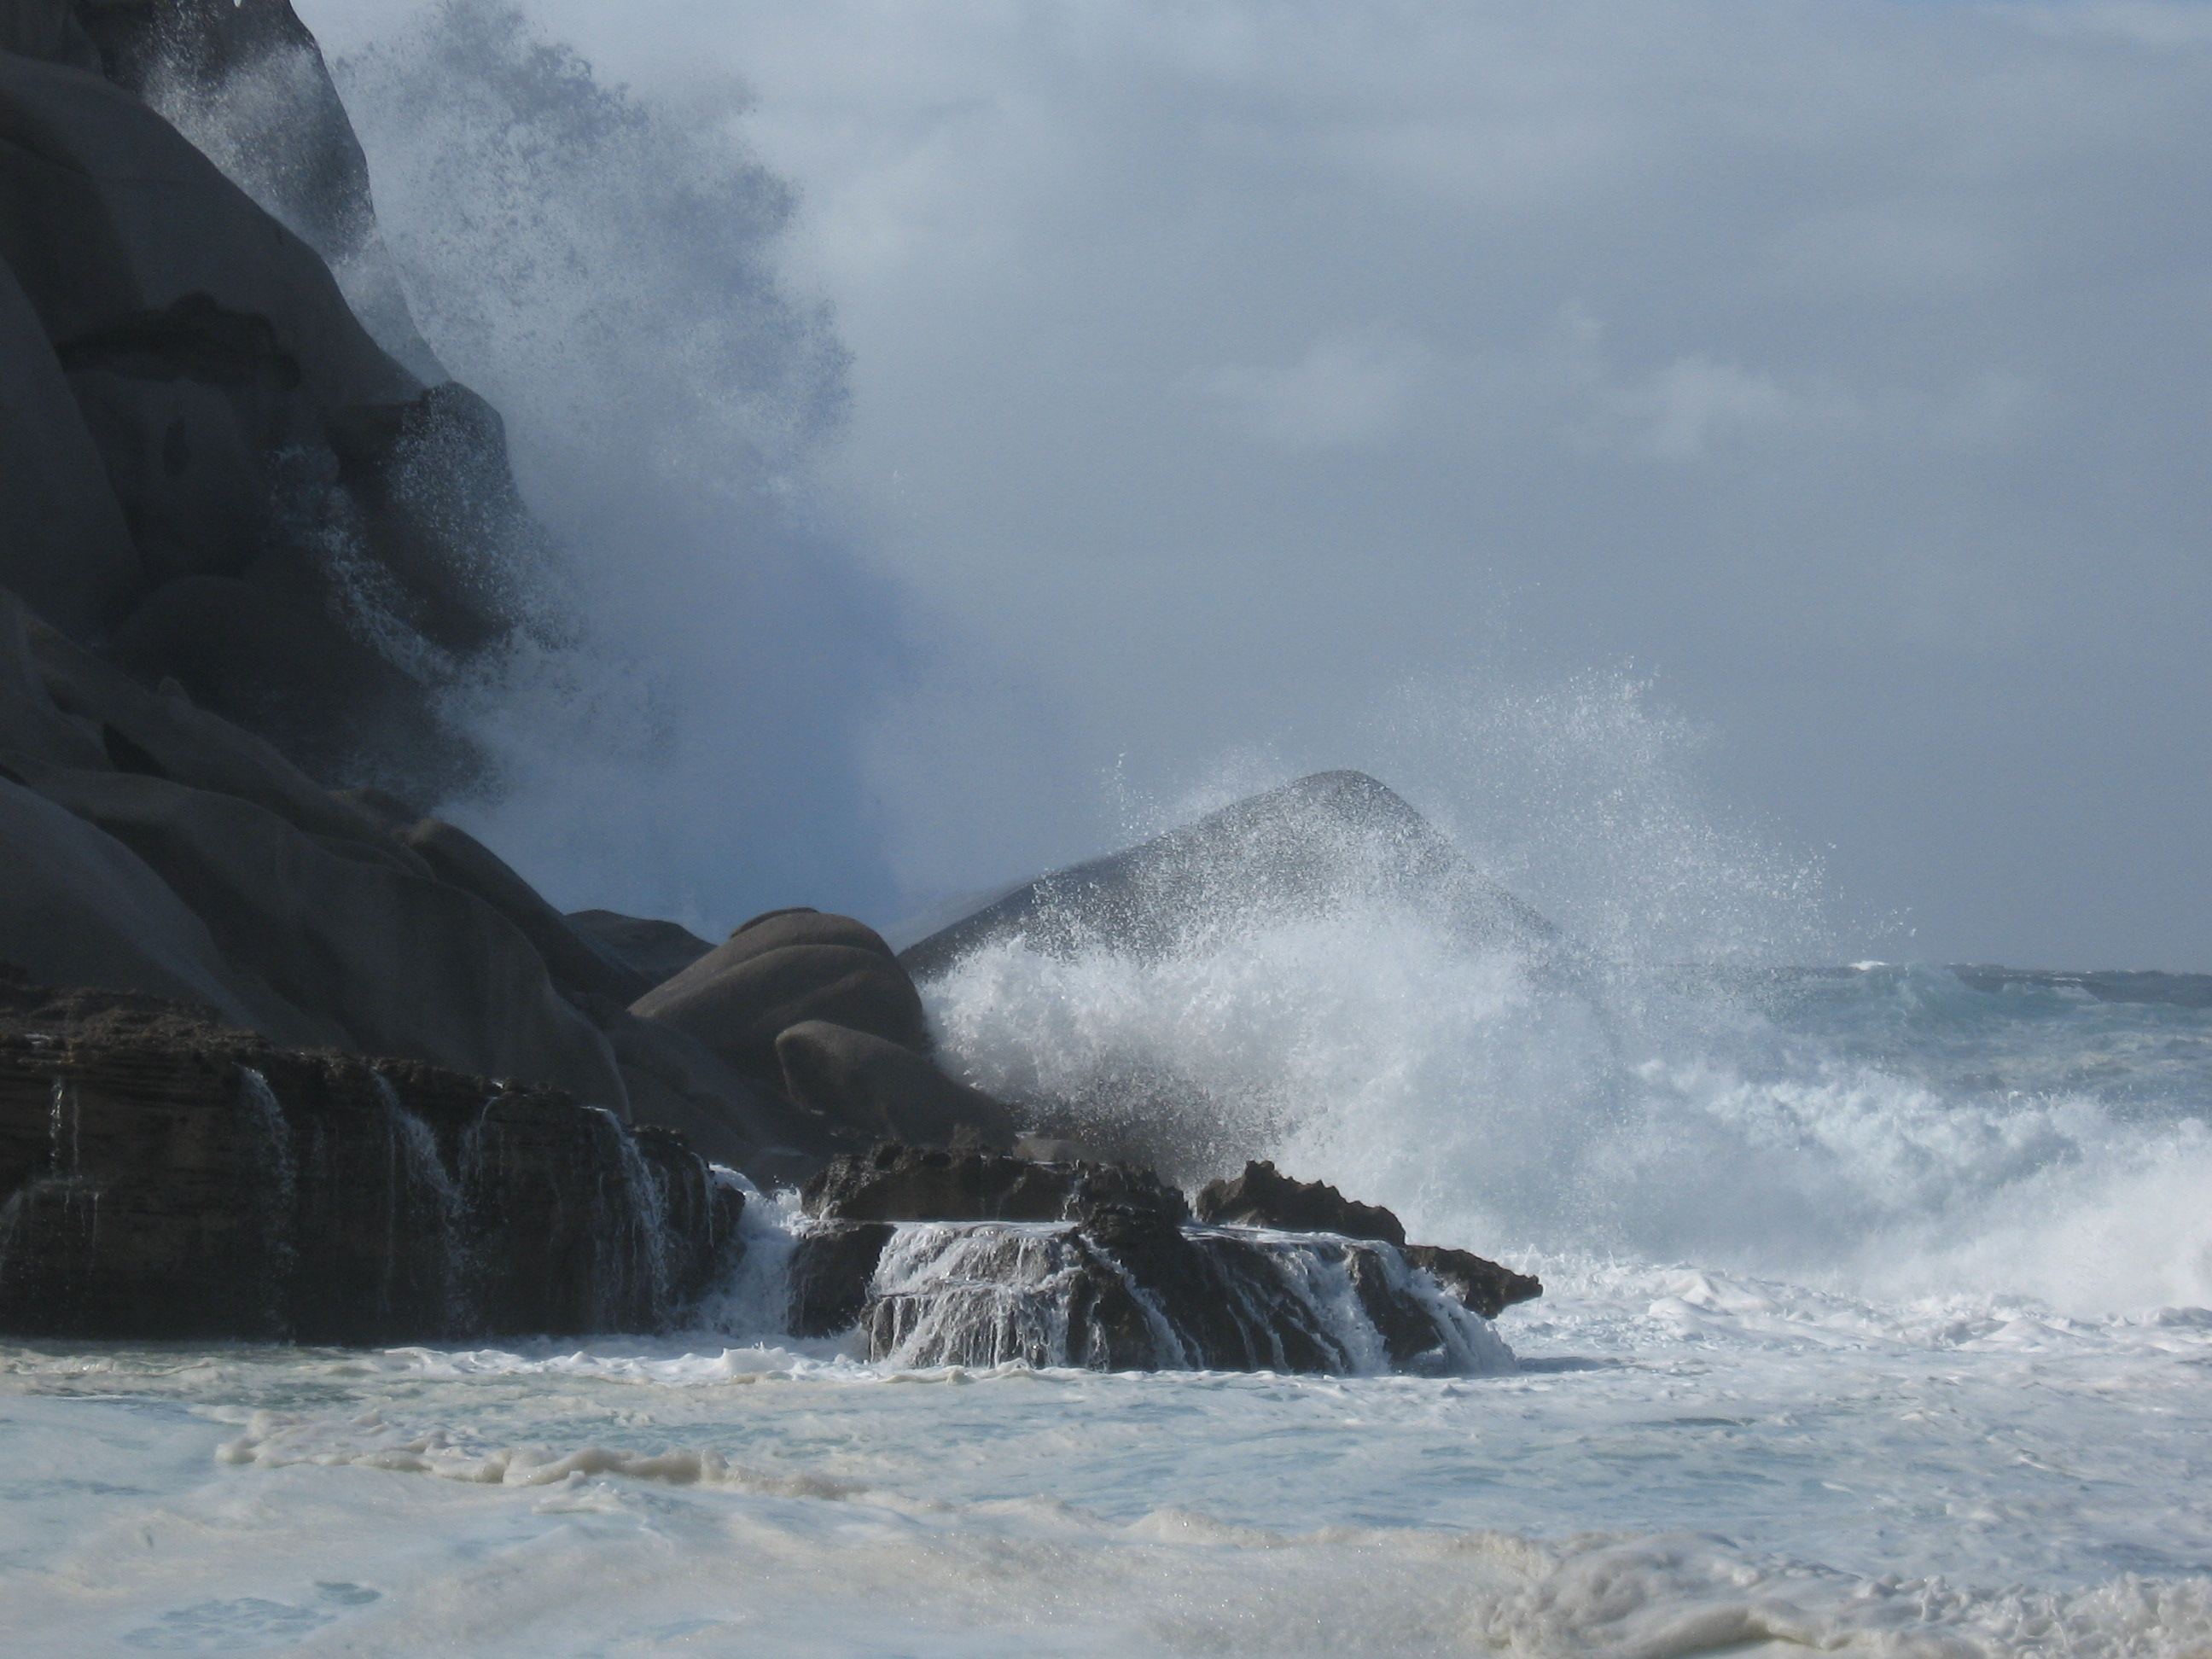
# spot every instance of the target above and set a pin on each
(1218, 369)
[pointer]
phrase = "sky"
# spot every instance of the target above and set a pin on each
(1785, 420)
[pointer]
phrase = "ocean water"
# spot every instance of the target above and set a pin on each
(1878, 1319)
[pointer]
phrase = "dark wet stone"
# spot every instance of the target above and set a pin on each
(1264, 1197)
(164, 1177)
(1483, 1286)
(927, 1183)
(832, 1267)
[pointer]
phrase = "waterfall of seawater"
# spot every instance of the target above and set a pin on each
(989, 1293)
(634, 1230)
(279, 1205)
(421, 1193)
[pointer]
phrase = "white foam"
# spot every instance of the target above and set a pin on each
(1496, 1107)
(874, 1530)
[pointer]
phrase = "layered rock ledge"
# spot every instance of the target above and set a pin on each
(163, 1176)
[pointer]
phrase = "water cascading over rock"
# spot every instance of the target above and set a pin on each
(939, 1258)
(165, 1176)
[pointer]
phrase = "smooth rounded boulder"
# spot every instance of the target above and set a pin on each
(397, 964)
(739, 1009)
(63, 541)
(79, 907)
(774, 930)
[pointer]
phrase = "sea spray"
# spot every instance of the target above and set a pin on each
(1670, 1086)
(609, 273)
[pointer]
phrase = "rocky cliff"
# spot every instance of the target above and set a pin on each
(321, 1065)
(170, 1177)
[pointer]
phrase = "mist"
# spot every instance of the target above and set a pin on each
(1752, 450)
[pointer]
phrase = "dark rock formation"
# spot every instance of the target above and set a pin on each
(870, 1088)
(149, 845)
(832, 1267)
(675, 1081)
(250, 538)
(1327, 841)
(774, 930)
(813, 1007)
(1125, 1291)
(78, 907)
(211, 472)
(927, 1183)
(576, 959)
(50, 30)
(390, 962)
(164, 1177)
(1224, 1305)
(972, 1258)
(1264, 1197)
(655, 951)
(246, 82)
(63, 543)
(1485, 1286)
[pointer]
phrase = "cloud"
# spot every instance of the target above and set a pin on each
(1348, 389)
(1685, 411)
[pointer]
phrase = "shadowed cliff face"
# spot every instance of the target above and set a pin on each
(247, 84)
(215, 474)
(164, 1177)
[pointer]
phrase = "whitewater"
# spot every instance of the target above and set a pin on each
(1876, 1320)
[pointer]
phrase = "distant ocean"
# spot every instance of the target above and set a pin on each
(1878, 1316)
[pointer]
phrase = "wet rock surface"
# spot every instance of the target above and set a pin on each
(832, 1269)
(1124, 1291)
(896, 1182)
(1264, 1197)
(974, 1258)
(1482, 1285)
(163, 1175)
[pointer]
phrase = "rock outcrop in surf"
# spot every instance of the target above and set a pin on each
(942, 1258)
